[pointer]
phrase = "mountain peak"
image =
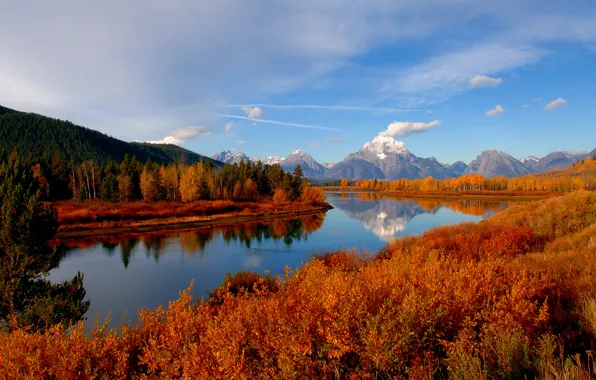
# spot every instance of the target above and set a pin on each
(383, 146)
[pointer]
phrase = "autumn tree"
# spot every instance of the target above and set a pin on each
(345, 182)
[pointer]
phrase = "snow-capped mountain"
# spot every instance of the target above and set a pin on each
(229, 157)
(382, 147)
(272, 160)
(329, 165)
(386, 158)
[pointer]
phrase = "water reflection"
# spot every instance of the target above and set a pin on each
(196, 242)
(388, 216)
(127, 272)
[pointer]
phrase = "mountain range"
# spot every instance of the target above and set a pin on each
(381, 158)
(386, 158)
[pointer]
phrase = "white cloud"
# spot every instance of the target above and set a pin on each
(240, 142)
(336, 139)
(526, 106)
(538, 99)
(498, 110)
(405, 128)
(229, 126)
(182, 135)
(484, 81)
(555, 104)
(253, 112)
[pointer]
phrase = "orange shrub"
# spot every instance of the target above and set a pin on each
(279, 197)
(314, 195)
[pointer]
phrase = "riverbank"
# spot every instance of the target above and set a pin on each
(103, 218)
(487, 195)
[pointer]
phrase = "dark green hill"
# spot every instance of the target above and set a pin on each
(41, 136)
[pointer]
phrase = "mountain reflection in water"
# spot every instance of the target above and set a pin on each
(387, 216)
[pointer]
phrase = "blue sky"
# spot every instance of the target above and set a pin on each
(325, 76)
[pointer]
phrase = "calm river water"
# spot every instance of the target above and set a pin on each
(125, 273)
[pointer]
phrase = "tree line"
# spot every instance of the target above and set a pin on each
(132, 180)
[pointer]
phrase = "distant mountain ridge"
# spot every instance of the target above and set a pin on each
(41, 136)
(388, 159)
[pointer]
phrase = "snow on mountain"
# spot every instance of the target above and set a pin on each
(529, 159)
(383, 146)
(329, 165)
(230, 157)
(272, 160)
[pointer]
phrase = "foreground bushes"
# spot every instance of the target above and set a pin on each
(468, 301)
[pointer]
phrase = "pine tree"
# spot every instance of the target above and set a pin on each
(26, 226)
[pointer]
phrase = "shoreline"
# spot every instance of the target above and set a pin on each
(180, 223)
(482, 195)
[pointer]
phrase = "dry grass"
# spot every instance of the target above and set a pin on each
(99, 215)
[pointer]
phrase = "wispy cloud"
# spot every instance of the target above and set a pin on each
(240, 142)
(265, 121)
(316, 145)
(498, 110)
(446, 75)
(321, 107)
(405, 128)
(555, 104)
(538, 99)
(526, 106)
(182, 135)
(484, 81)
(336, 139)
(229, 126)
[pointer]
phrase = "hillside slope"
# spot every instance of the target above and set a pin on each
(41, 136)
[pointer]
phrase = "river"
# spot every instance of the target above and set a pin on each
(125, 273)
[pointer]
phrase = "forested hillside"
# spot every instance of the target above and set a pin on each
(42, 136)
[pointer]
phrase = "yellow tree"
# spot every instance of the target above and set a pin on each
(189, 184)
(345, 182)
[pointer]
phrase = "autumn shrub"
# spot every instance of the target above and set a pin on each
(554, 217)
(341, 260)
(469, 241)
(242, 283)
(314, 195)
(279, 197)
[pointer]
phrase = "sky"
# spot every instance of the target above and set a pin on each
(449, 78)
